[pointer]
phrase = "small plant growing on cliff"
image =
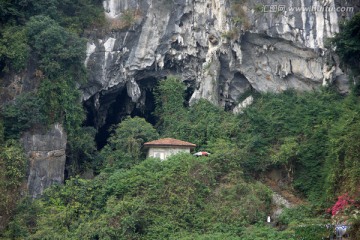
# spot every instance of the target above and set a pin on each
(126, 20)
(231, 34)
(239, 16)
(259, 8)
(207, 66)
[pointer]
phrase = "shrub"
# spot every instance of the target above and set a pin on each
(25, 112)
(58, 50)
(14, 50)
(127, 141)
(12, 174)
(347, 42)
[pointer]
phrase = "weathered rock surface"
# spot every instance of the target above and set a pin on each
(220, 49)
(46, 153)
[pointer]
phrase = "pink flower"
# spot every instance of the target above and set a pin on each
(343, 202)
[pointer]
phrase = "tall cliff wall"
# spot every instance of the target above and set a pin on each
(46, 153)
(221, 48)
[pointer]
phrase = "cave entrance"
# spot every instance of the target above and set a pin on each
(114, 106)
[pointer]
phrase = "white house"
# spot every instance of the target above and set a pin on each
(163, 148)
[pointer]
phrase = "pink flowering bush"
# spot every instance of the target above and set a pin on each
(343, 202)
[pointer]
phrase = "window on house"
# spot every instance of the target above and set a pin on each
(160, 155)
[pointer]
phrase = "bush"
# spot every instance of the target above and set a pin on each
(12, 174)
(81, 151)
(347, 42)
(198, 124)
(14, 50)
(291, 130)
(125, 145)
(23, 113)
(58, 50)
(266, 233)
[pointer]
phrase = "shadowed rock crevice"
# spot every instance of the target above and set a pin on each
(107, 109)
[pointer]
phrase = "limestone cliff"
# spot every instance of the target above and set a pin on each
(46, 153)
(221, 48)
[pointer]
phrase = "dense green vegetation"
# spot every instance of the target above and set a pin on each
(12, 172)
(43, 38)
(302, 133)
(125, 145)
(312, 137)
(347, 42)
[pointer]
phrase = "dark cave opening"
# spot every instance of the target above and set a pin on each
(116, 106)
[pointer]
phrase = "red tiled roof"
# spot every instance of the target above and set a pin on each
(169, 142)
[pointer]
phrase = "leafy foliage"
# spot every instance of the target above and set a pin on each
(44, 36)
(312, 136)
(58, 50)
(14, 50)
(24, 113)
(293, 129)
(81, 151)
(12, 173)
(169, 98)
(152, 200)
(125, 147)
(347, 42)
(199, 124)
(62, 103)
(13, 164)
(74, 15)
(342, 160)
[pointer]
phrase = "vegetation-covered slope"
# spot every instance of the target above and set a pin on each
(311, 136)
(43, 39)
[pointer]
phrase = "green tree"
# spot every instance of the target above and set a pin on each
(58, 50)
(14, 50)
(125, 145)
(342, 160)
(74, 15)
(12, 174)
(170, 110)
(25, 112)
(63, 102)
(286, 155)
(347, 42)
(81, 151)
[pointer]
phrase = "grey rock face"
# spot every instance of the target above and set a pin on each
(46, 153)
(220, 49)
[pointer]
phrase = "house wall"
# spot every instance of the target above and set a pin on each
(165, 152)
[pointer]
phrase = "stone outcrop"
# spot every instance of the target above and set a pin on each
(220, 48)
(46, 153)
